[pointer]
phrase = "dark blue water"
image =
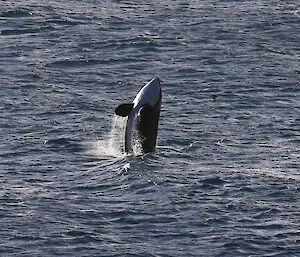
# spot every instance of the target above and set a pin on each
(225, 178)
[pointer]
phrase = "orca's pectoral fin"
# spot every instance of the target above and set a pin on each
(124, 109)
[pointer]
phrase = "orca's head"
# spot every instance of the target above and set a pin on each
(150, 95)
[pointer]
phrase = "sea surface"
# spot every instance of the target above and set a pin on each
(225, 179)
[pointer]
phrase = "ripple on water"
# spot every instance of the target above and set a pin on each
(224, 180)
(16, 13)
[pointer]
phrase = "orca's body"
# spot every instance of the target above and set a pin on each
(143, 116)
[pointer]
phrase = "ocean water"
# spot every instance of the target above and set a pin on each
(225, 179)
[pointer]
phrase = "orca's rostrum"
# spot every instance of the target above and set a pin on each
(142, 117)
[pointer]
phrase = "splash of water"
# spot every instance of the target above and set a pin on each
(113, 144)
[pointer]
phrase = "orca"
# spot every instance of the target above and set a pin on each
(142, 117)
